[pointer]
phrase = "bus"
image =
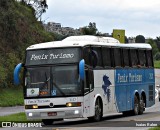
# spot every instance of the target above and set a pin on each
(86, 77)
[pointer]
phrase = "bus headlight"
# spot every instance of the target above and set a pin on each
(73, 104)
(35, 106)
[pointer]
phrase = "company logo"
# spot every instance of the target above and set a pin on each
(106, 88)
(32, 91)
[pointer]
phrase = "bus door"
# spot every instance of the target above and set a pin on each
(88, 88)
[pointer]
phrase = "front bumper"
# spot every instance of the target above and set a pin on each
(61, 113)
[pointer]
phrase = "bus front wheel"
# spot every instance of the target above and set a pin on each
(98, 111)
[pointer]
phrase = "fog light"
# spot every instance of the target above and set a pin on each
(30, 114)
(76, 112)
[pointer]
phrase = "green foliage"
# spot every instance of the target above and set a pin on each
(11, 97)
(157, 64)
(90, 29)
(19, 29)
(157, 56)
(154, 46)
(140, 39)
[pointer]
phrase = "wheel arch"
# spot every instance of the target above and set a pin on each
(96, 97)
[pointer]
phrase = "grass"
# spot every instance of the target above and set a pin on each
(155, 128)
(11, 97)
(157, 64)
(14, 117)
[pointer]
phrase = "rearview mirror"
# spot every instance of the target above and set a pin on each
(82, 69)
(16, 73)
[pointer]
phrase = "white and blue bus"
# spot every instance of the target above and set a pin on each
(86, 77)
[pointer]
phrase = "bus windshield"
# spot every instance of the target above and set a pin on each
(52, 81)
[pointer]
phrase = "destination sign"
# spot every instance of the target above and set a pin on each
(52, 56)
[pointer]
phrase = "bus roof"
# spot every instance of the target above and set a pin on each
(80, 41)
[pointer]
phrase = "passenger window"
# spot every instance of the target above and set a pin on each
(126, 57)
(134, 57)
(106, 52)
(117, 57)
(86, 55)
(149, 58)
(98, 51)
(142, 58)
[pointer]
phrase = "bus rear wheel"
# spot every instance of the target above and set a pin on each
(136, 106)
(47, 121)
(142, 106)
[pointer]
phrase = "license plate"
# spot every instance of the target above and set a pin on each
(52, 113)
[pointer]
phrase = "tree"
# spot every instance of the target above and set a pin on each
(140, 39)
(158, 42)
(39, 6)
(154, 46)
(90, 29)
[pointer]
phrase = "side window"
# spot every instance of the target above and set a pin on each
(106, 56)
(149, 58)
(142, 58)
(134, 57)
(126, 57)
(86, 55)
(117, 57)
(99, 60)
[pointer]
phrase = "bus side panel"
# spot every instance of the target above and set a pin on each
(122, 90)
(129, 81)
(105, 87)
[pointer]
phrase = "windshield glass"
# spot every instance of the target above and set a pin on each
(65, 81)
(37, 81)
(52, 81)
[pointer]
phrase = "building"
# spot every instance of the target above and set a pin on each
(57, 28)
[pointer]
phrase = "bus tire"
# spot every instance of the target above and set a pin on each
(136, 106)
(47, 121)
(98, 111)
(141, 106)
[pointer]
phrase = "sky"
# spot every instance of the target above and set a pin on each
(136, 17)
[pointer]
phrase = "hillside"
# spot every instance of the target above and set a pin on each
(18, 29)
